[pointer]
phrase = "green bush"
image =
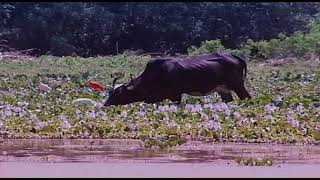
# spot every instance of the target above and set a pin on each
(207, 47)
(211, 46)
(299, 44)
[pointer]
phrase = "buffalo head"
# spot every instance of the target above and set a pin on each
(123, 94)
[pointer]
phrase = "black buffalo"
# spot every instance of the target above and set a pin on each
(169, 78)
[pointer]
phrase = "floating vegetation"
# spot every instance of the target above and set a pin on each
(281, 111)
(255, 161)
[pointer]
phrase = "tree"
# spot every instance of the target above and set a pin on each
(101, 28)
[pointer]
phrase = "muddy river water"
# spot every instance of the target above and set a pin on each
(129, 158)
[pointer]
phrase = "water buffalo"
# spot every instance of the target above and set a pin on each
(169, 78)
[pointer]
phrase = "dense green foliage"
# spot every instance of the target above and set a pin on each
(299, 44)
(88, 29)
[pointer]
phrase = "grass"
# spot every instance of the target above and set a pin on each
(27, 113)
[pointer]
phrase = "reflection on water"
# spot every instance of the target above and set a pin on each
(74, 150)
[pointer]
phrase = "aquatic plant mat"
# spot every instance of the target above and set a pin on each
(37, 100)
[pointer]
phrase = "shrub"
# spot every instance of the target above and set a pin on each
(299, 44)
(207, 46)
(211, 46)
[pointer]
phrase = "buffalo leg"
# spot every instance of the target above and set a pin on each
(241, 92)
(224, 93)
(226, 96)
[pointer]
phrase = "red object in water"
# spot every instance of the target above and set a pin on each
(96, 85)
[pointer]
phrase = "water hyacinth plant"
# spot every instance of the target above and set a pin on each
(281, 110)
(65, 122)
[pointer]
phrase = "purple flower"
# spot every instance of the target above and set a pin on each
(237, 115)
(23, 113)
(63, 118)
(16, 109)
(172, 124)
(300, 109)
(269, 117)
(317, 111)
(239, 118)
(220, 107)
(290, 113)
(197, 108)
(295, 123)
(156, 112)
(41, 124)
(124, 113)
(270, 108)
(317, 127)
(242, 120)
(7, 112)
(33, 117)
(167, 108)
(194, 108)
(173, 108)
(292, 121)
(98, 105)
(102, 115)
(163, 108)
(140, 114)
(228, 112)
(212, 125)
(208, 106)
(65, 122)
(189, 107)
(134, 127)
(91, 114)
(66, 125)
